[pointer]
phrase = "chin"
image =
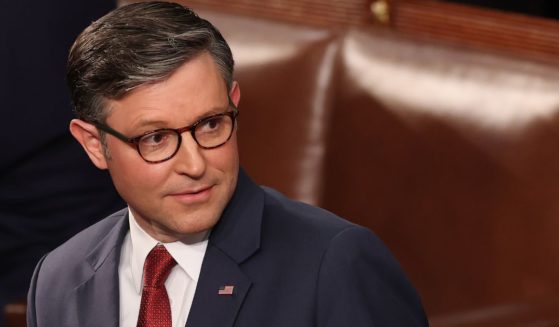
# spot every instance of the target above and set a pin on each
(195, 224)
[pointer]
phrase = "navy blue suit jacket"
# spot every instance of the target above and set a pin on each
(291, 264)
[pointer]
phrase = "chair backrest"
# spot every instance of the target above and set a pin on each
(448, 154)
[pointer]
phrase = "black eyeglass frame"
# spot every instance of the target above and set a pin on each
(135, 140)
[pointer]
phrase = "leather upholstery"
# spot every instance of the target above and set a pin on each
(448, 154)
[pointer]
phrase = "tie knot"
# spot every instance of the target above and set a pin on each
(157, 267)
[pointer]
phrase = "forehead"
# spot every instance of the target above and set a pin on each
(195, 89)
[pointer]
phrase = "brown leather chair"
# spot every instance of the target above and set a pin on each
(448, 154)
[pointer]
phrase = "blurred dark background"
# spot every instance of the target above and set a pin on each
(48, 188)
(541, 8)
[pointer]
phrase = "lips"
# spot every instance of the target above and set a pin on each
(195, 195)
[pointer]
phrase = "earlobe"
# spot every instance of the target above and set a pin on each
(89, 138)
(235, 93)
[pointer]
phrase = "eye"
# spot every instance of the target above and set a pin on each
(156, 138)
(210, 124)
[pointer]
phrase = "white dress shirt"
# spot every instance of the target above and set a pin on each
(181, 283)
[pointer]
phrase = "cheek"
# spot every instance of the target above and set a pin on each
(135, 178)
(227, 160)
(231, 168)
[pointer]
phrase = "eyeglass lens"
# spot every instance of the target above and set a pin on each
(208, 133)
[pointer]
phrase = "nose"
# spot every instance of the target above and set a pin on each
(189, 158)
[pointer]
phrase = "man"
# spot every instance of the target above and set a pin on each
(199, 244)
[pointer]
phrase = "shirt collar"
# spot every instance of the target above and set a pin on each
(188, 254)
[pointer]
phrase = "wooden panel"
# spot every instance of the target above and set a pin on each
(490, 30)
(427, 20)
(311, 12)
(15, 314)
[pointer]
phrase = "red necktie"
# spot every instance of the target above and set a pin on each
(155, 310)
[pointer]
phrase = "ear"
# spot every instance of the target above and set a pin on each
(89, 138)
(235, 93)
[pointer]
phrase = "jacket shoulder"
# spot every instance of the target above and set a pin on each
(82, 243)
(352, 273)
(301, 216)
(60, 272)
(95, 240)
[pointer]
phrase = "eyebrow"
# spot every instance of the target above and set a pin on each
(156, 124)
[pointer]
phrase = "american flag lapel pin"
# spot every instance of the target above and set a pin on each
(226, 290)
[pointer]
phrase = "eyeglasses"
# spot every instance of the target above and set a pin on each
(162, 144)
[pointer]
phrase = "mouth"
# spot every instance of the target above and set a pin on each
(193, 196)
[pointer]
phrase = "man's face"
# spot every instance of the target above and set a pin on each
(187, 193)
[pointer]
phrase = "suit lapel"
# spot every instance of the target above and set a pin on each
(97, 297)
(210, 309)
(233, 240)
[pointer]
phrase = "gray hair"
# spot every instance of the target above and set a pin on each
(138, 44)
